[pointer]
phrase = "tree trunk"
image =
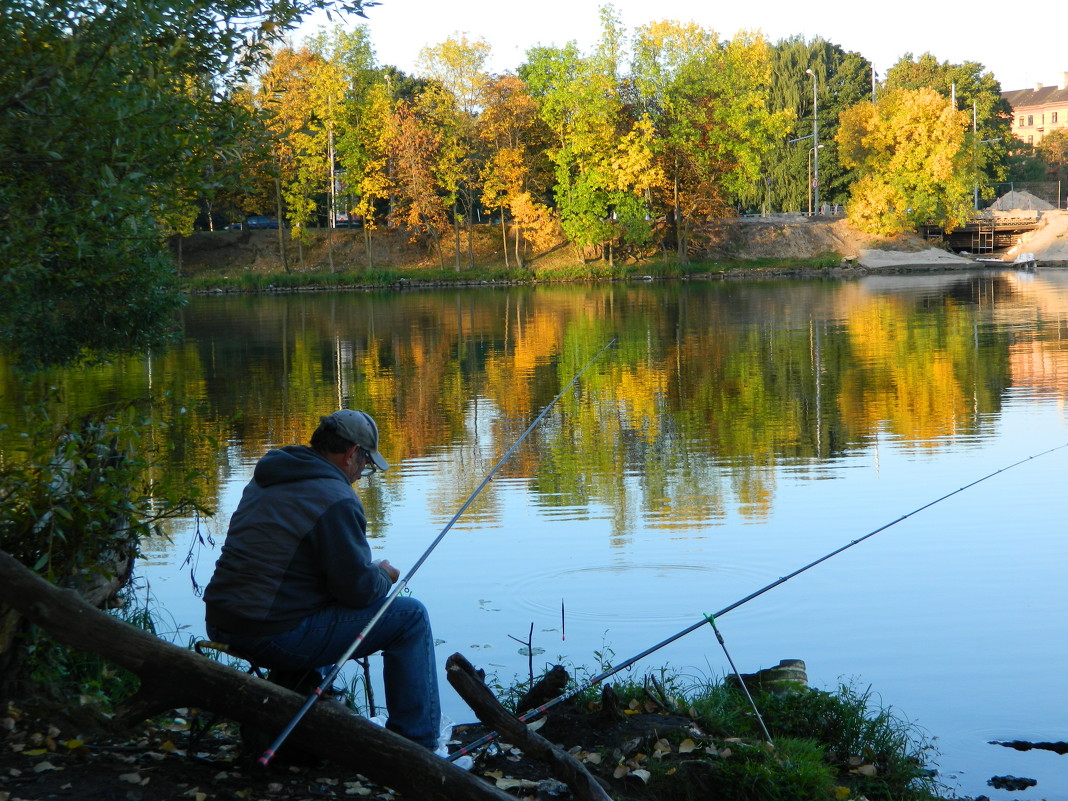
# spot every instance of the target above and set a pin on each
(173, 677)
(518, 246)
(504, 238)
(564, 766)
(470, 241)
(281, 231)
(456, 233)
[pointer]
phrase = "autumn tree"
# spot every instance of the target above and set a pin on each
(974, 90)
(360, 130)
(415, 153)
(514, 172)
(913, 168)
(457, 66)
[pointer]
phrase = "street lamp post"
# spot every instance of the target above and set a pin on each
(815, 145)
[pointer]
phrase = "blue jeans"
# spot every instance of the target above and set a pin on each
(402, 635)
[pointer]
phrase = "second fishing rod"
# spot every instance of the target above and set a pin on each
(400, 586)
(533, 714)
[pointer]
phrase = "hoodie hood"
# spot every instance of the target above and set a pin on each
(294, 463)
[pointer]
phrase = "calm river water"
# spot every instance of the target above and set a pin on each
(736, 432)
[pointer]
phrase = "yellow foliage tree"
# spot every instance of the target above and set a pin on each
(908, 150)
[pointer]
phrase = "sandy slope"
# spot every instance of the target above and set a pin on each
(1050, 242)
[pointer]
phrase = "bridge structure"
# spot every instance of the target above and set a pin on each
(984, 234)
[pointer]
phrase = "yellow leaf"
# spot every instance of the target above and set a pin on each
(687, 746)
(36, 752)
(631, 712)
(620, 771)
(494, 774)
(74, 744)
(168, 746)
(842, 793)
(671, 771)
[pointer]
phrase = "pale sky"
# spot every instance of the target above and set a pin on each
(1020, 44)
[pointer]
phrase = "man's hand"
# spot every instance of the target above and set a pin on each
(391, 571)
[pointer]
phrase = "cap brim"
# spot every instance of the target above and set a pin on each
(380, 463)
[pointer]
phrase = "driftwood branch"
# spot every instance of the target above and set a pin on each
(473, 690)
(174, 677)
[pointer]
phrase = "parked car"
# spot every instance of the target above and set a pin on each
(252, 223)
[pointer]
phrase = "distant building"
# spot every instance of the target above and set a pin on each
(1036, 112)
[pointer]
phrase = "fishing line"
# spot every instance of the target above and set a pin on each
(595, 680)
(401, 585)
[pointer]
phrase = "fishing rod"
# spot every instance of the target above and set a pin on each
(399, 587)
(708, 619)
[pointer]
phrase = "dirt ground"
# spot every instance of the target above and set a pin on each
(169, 761)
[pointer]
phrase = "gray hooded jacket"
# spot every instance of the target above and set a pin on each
(296, 544)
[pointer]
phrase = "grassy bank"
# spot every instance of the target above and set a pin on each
(422, 276)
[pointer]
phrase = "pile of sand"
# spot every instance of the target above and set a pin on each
(1049, 242)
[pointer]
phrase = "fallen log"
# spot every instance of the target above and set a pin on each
(462, 676)
(172, 677)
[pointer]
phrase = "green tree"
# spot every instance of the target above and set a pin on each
(602, 158)
(111, 116)
(912, 164)
(842, 79)
(708, 100)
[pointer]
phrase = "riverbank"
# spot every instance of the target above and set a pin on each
(800, 246)
(642, 741)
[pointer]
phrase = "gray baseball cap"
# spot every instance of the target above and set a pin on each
(360, 429)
